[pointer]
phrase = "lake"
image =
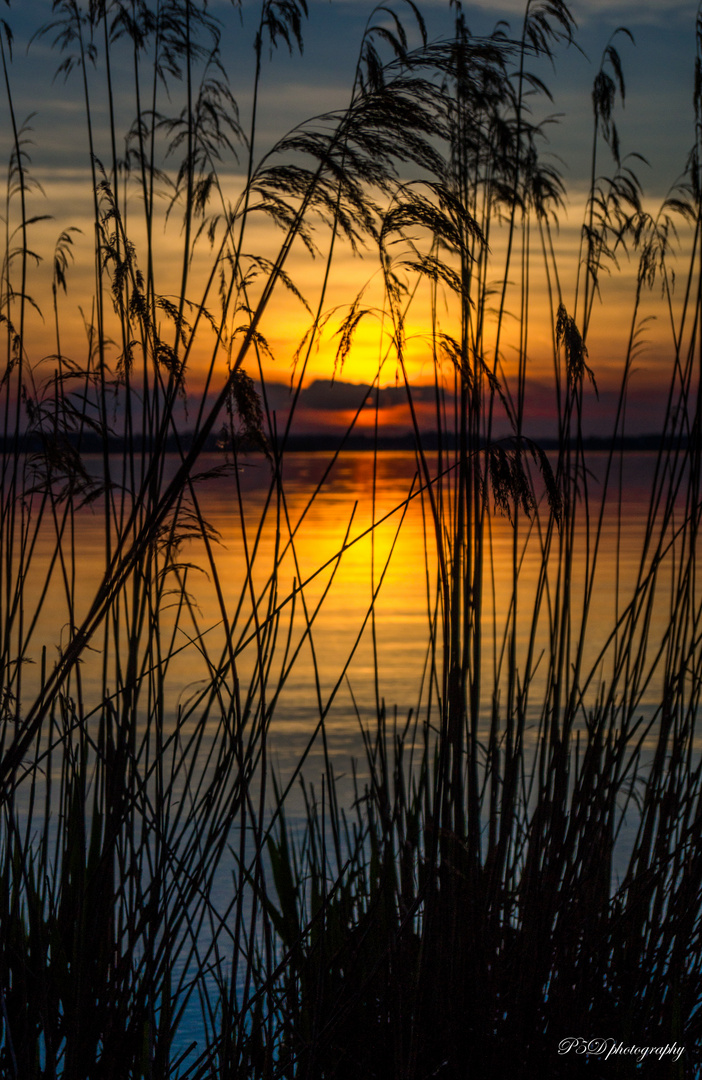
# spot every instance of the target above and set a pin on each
(361, 633)
(357, 646)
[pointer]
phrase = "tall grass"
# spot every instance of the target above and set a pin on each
(522, 865)
(464, 916)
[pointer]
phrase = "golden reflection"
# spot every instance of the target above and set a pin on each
(377, 548)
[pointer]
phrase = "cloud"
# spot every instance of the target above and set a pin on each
(326, 396)
(641, 10)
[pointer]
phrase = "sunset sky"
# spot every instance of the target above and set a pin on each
(657, 122)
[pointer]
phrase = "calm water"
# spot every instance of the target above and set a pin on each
(389, 570)
(336, 668)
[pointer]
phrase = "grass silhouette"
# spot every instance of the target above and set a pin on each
(464, 916)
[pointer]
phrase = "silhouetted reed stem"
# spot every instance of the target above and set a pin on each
(521, 861)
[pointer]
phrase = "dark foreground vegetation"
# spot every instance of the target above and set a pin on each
(475, 905)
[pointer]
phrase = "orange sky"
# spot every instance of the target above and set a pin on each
(292, 89)
(287, 321)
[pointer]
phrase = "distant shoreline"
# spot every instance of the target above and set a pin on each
(90, 443)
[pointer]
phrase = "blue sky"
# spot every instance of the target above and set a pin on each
(656, 121)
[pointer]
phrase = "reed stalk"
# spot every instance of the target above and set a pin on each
(520, 862)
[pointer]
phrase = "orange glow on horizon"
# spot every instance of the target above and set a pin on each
(372, 353)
